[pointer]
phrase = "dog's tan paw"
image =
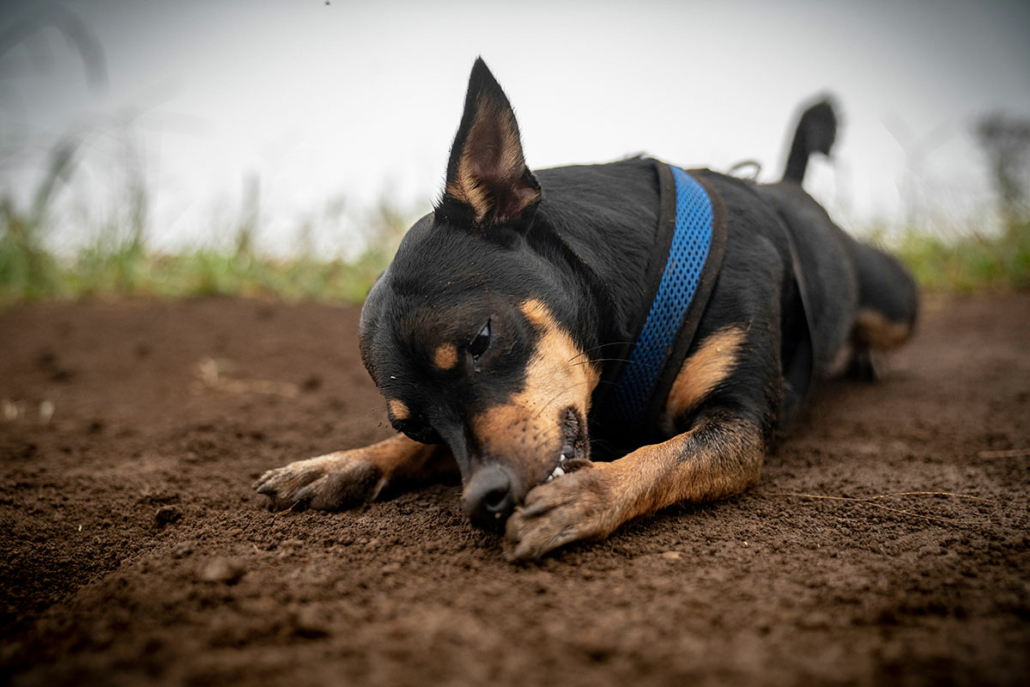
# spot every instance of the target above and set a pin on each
(331, 482)
(576, 507)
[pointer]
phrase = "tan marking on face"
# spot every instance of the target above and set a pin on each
(398, 409)
(526, 432)
(701, 373)
(537, 313)
(493, 130)
(446, 356)
(873, 330)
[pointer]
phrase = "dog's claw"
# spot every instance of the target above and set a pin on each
(559, 512)
(538, 508)
(332, 482)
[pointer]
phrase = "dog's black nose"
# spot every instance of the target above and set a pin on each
(490, 496)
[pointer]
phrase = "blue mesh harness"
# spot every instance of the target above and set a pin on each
(689, 248)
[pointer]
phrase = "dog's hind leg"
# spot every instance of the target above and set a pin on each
(887, 309)
(349, 478)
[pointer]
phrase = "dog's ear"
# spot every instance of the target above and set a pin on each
(487, 174)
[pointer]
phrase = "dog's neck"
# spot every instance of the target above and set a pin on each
(606, 217)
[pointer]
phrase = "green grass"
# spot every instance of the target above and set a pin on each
(32, 275)
(118, 263)
(29, 273)
(969, 262)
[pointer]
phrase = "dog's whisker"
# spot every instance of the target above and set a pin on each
(557, 396)
(604, 360)
(595, 348)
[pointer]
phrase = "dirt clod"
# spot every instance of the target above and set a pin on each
(167, 515)
(182, 549)
(311, 622)
(221, 570)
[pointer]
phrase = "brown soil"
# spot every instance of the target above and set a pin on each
(133, 550)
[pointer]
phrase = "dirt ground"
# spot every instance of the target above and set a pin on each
(132, 549)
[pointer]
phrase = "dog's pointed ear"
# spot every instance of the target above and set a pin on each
(487, 172)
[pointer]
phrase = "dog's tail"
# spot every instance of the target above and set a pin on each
(816, 132)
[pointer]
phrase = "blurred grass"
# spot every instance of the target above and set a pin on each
(966, 262)
(119, 264)
(29, 273)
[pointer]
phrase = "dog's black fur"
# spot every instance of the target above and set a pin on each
(488, 335)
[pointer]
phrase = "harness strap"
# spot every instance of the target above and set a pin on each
(689, 248)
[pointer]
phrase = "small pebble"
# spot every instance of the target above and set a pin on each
(221, 570)
(182, 549)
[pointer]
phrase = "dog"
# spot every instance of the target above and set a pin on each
(528, 334)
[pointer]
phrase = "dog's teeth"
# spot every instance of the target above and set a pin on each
(562, 458)
(549, 478)
(558, 472)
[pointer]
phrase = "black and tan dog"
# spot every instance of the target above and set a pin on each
(510, 314)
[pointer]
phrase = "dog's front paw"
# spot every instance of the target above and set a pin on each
(572, 508)
(331, 482)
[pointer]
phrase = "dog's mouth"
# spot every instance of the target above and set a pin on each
(575, 448)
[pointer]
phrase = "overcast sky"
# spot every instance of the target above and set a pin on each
(343, 99)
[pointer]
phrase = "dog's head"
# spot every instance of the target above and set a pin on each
(475, 334)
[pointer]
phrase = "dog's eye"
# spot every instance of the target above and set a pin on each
(481, 342)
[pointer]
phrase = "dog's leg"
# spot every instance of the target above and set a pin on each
(720, 456)
(349, 478)
(719, 413)
(888, 307)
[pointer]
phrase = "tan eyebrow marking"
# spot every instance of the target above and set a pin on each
(446, 356)
(398, 409)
